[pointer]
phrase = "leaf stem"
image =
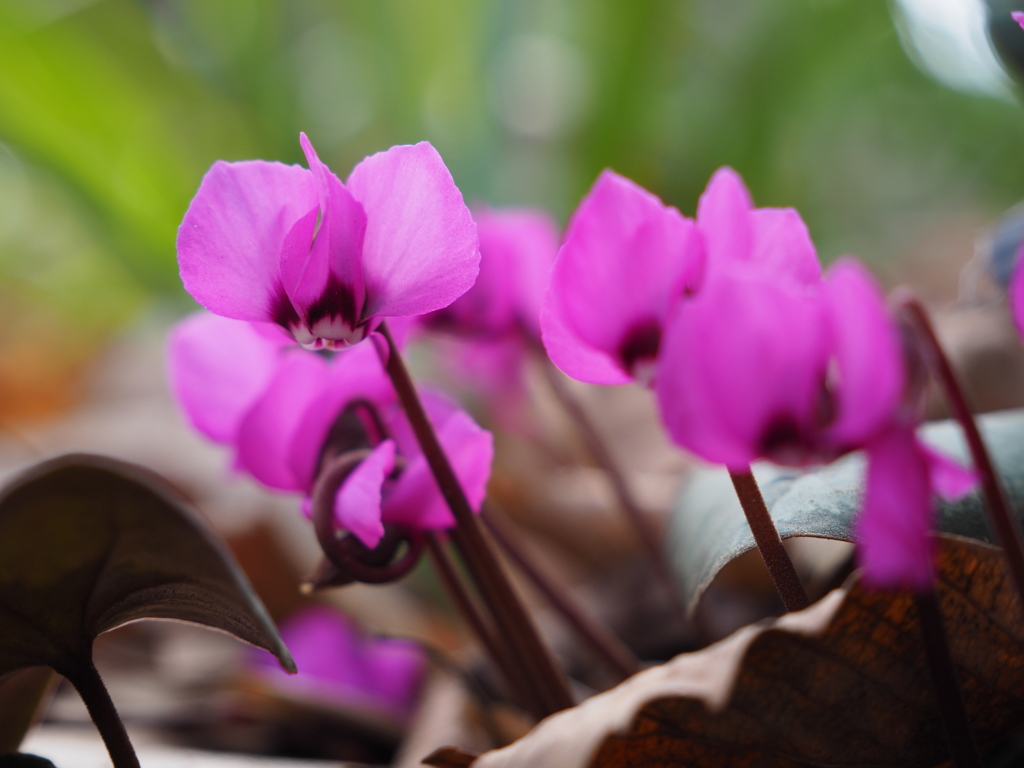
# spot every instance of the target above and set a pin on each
(1007, 530)
(769, 543)
(90, 687)
(956, 725)
(533, 660)
(599, 452)
(615, 653)
(492, 644)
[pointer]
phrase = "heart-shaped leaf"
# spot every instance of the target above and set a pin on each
(88, 543)
(708, 528)
(843, 683)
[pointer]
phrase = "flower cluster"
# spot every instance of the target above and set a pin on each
(283, 247)
(751, 351)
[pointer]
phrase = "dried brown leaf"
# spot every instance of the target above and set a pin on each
(843, 683)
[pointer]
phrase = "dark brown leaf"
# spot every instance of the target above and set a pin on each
(22, 696)
(88, 543)
(450, 757)
(843, 683)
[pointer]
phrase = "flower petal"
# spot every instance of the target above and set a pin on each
(626, 260)
(723, 216)
(357, 505)
(323, 273)
(1015, 294)
(868, 354)
(415, 498)
(570, 353)
(274, 424)
(950, 479)
(894, 546)
(420, 252)
(781, 242)
(741, 370)
(230, 240)
(218, 368)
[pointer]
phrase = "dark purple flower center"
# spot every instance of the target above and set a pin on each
(640, 344)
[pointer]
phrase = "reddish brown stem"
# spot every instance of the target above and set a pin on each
(615, 653)
(90, 687)
(956, 725)
(599, 452)
(533, 660)
(769, 543)
(1006, 528)
(492, 644)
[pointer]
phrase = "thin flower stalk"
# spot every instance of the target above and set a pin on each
(599, 452)
(769, 543)
(956, 725)
(534, 660)
(90, 687)
(616, 654)
(495, 647)
(1007, 529)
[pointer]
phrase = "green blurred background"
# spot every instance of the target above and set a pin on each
(111, 111)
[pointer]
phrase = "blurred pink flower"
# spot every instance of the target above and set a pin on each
(1018, 16)
(275, 405)
(517, 249)
(340, 666)
(326, 261)
(626, 260)
(894, 545)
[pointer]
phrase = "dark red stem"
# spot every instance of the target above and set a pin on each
(599, 452)
(956, 725)
(533, 660)
(1007, 530)
(615, 653)
(492, 644)
(769, 543)
(90, 687)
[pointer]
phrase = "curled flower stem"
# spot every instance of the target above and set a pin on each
(956, 725)
(616, 654)
(492, 643)
(769, 543)
(599, 452)
(90, 687)
(1007, 530)
(533, 660)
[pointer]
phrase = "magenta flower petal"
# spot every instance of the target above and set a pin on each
(723, 216)
(230, 241)
(626, 260)
(357, 505)
(354, 373)
(894, 546)
(1015, 294)
(1018, 16)
(950, 479)
(420, 252)
(218, 369)
(268, 430)
(782, 243)
(415, 499)
(868, 354)
(339, 666)
(323, 274)
(570, 353)
(742, 369)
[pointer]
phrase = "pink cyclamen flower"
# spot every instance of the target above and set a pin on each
(275, 406)
(1018, 16)
(517, 249)
(758, 366)
(340, 666)
(625, 260)
(327, 261)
